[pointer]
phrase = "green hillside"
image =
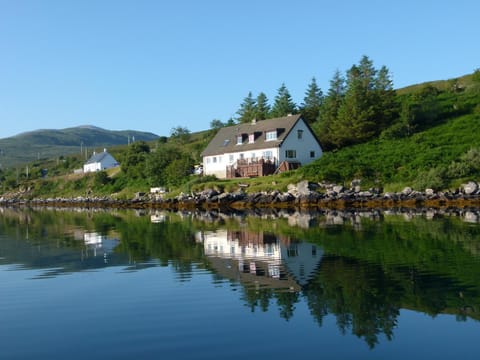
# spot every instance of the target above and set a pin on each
(49, 144)
(422, 136)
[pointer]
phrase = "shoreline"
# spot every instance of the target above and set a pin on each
(260, 201)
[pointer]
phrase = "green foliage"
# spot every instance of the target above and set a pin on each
(133, 164)
(361, 111)
(248, 109)
(283, 104)
(421, 158)
(101, 178)
(262, 108)
(312, 102)
(180, 135)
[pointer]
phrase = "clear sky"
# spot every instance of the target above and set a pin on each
(153, 65)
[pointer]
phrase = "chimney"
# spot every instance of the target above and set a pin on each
(254, 121)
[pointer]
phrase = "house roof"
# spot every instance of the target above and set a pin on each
(98, 157)
(225, 141)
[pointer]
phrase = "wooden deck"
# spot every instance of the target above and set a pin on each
(251, 168)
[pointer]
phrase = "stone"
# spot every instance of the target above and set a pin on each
(470, 188)
(338, 189)
(429, 192)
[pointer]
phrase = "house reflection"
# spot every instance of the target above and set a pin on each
(98, 245)
(261, 259)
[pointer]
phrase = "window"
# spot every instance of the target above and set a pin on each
(208, 160)
(226, 142)
(241, 156)
(290, 154)
(230, 158)
(214, 159)
(300, 134)
(219, 159)
(312, 154)
(271, 135)
(267, 155)
(239, 139)
(251, 138)
(252, 155)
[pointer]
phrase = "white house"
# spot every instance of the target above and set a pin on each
(99, 162)
(261, 147)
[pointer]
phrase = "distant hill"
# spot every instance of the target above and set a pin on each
(51, 143)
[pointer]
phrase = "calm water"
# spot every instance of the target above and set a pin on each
(334, 285)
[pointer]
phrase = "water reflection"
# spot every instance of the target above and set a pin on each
(261, 259)
(362, 267)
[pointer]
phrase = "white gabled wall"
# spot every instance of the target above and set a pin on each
(215, 165)
(302, 146)
(106, 163)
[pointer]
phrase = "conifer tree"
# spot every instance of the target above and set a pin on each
(312, 102)
(263, 108)
(283, 104)
(247, 110)
(329, 111)
(367, 107)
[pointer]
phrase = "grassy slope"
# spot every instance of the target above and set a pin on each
(397, 163)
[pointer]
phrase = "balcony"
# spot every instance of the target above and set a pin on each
(252, 167)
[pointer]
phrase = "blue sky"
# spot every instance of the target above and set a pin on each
(153, 65)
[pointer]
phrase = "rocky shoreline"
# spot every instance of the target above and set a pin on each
(304, 194)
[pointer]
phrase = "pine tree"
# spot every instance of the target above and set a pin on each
(283, 104)
(247, 110)
(263, 108)
(367, 107)
(329, 111)
(386, 98)
(312, 102)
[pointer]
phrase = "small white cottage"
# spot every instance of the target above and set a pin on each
(99, 162)
(261, 148)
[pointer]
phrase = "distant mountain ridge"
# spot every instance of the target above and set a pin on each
(50, 143)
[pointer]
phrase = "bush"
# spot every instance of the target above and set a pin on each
(434, 179)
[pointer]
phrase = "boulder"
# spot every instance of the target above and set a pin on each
(304, 188)
(470, 188)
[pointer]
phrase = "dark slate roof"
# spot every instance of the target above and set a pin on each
(95, 158)
(225, 141)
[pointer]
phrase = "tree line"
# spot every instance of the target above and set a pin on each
(360, 105)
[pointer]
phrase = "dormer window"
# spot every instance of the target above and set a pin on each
(251, 138)
(239, 139)
(271, 135)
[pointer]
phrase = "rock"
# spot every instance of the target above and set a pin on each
(429, 192)
(303, 188)
(407, 191)
(470, 188)
(338, 189)
(354, 183)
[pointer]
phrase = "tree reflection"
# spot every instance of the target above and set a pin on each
(362, 271)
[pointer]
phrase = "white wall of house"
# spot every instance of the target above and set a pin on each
(106, 163)
(304, 148)
(96, 166)
(215, 165)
